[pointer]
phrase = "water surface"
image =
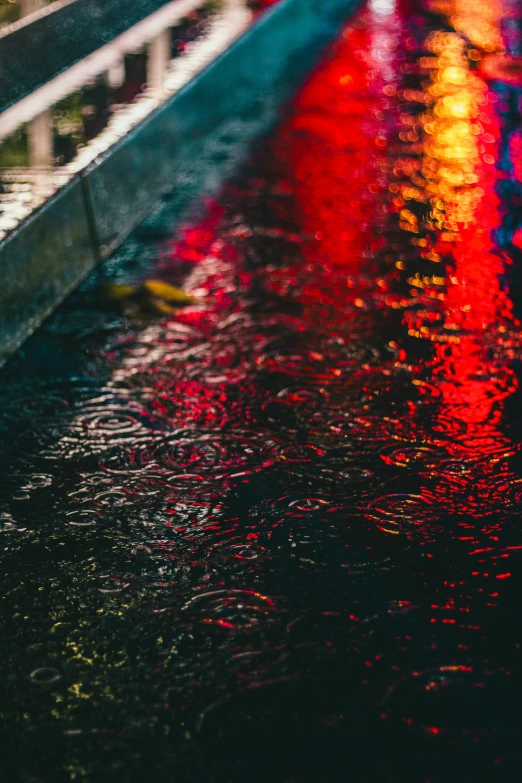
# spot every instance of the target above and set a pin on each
(275, 534)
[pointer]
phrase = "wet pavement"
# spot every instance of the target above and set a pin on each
(274, 534)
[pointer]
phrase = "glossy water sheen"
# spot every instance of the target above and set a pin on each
(275, 536)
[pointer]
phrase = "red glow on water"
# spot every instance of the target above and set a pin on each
(475, 302)
(352, 330)
(334, 151)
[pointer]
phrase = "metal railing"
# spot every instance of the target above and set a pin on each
(44, 44)
(58, 130)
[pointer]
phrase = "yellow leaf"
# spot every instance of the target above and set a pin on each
(118, 292)
(168, 293)
(161, 307)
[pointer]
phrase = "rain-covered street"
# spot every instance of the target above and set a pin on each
(260, 515)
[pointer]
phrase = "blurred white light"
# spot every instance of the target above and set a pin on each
(384, 7)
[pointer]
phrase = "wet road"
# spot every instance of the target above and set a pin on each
(275, 534)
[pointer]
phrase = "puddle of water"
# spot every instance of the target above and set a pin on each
(251, 537)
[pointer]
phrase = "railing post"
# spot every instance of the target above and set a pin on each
(30, 6)
(115, 76)
(40, 134)
(158, 60)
